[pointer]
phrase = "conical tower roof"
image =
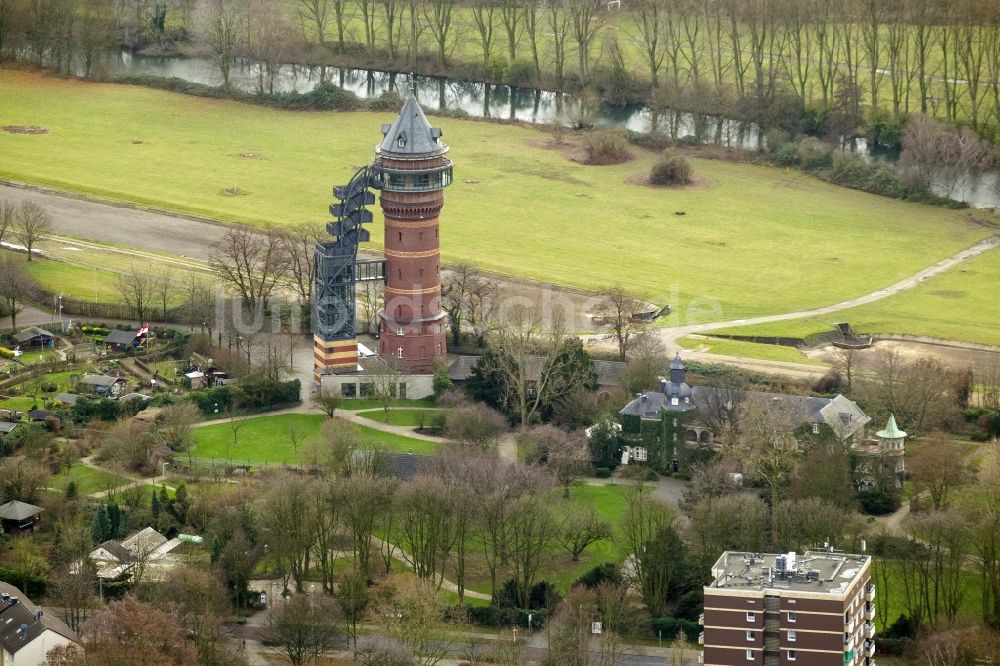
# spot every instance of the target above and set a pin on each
(891, 430)
(411, 135)
(677, 363)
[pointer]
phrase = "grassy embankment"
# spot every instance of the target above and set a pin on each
(960, 304)
(265, 439)
(739, 348)
(515, 207)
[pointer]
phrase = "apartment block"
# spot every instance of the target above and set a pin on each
(815, 609)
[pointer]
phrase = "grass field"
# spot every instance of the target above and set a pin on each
(359, 404)
(402, 417)
(88, 480)
(515, 207)
(265, 439)
(960, 304)
(78, 282)
(746, 349)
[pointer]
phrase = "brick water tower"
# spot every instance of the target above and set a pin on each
(412, 171)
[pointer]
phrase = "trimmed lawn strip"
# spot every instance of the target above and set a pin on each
(748, 350)
(179, 152)
(265, 440)
(402, 417)
(360, 404)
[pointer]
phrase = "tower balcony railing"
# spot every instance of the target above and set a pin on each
(416, 180)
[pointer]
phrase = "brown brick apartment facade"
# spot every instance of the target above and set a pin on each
(816, 609)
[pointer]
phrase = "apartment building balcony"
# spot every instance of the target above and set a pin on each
(701, 619)
(869, 648)
(869, 630)
(701, 638)
(869, 612)
(772, 624)
(870, 592)
(772, 643)
(701, 657)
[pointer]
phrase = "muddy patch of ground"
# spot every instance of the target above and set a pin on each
(24, 129)
(909, 350)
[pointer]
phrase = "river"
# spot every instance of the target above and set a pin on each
(485, 100)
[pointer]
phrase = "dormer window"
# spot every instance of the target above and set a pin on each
(401, 140)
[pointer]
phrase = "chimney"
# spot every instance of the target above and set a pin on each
(22, 631)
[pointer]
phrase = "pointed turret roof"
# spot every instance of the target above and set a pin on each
(411, 135)
(677, 363)
(891, 430)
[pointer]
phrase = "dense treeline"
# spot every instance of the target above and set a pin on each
(774, 61)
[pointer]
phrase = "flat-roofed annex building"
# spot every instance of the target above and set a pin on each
(816, 609)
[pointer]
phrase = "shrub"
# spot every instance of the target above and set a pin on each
(6, 353)
(669, 627)
(657, 141)
(814, 154)
(787, 155)
(776, 139)
(520, 73)
(606, 147)
(602, 573)
(671, 170)
(602, 472)
(877, 502)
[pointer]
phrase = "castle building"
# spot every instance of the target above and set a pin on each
(785, 609)
(414, 172)
(881, 459)
(679, 418)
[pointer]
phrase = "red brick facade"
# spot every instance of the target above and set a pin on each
(412, 329)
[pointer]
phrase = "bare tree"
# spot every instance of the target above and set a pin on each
(303, 630)
(250, 263)
(300, 249)
(438, 16)
(766, 449)
(174, 428)
(619, 313)
(587, 20)
(8, 217)
(136, 288)
(483, 18)
(648, 19)
(268, 39)
(16, 286)
(199, 301)
(511, 16)
(165, 286)
(316, 12)
(476, 427)
(370, 295)
(532, 528)
(223, 30)
(564, 454)
(384, 379)
(536, 365)
(581, 529)
(33, 223)
(937, 468)
(286, 515)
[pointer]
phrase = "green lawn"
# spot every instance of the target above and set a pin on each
(609, 501)
(358, 404)
(88, 480)
(747, 349)
(960, 304)
(265, 439)
(403, 417)
(77, 282)
(514, 207)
